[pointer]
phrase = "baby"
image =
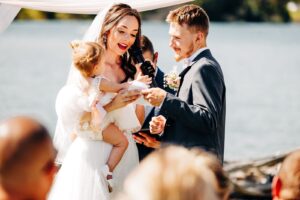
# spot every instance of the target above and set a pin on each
(96, 124)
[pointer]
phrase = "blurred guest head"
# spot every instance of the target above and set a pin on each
(148, 50)
(172, 173)
(26, 159)
(221, 183)
(286, 185)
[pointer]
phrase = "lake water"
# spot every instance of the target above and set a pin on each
(261, 65)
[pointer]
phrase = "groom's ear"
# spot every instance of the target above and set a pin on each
(155, 57)
(200, 36)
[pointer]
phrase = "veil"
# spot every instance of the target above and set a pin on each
(64, 126)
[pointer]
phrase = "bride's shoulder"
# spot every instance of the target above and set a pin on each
(69, 91)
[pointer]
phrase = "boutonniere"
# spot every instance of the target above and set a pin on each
(172, 79)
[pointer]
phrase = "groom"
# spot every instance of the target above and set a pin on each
(196, 114)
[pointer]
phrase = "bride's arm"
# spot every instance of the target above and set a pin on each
(140, 113)
(123, 98)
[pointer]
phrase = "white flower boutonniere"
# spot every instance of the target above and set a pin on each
(172, 79)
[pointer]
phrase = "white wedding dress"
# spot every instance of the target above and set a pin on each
(80, 176)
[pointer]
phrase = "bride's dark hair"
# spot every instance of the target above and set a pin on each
(114, 15)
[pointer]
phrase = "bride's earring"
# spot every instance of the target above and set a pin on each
(105, 39)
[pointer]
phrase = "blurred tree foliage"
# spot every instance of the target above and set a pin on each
(218, 10)
(246, 10)
(39, 15)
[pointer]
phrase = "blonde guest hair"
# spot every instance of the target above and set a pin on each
(172, 173)
(86, 55)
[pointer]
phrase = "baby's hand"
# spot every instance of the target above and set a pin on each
(144, 79)
(124, 86)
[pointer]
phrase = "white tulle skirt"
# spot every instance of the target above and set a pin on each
(80, 177)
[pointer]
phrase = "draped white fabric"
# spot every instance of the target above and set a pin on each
(7, 15)
(10, 8)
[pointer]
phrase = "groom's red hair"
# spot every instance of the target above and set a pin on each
(192, 15)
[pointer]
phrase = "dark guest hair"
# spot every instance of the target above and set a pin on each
(146, 45)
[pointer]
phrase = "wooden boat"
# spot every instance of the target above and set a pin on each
(252, 179)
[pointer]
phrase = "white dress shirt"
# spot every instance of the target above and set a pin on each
(188, 61)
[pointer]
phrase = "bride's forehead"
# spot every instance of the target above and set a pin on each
(129, 22)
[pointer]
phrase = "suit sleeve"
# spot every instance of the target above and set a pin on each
(206, 93)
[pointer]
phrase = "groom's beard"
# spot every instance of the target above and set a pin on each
(187, 54)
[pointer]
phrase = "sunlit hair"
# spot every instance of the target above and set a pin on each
(86, 55)
(192, 15)
(171, 173)
(112, 18)
(223, 185)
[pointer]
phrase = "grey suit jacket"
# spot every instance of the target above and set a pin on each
(196, 115)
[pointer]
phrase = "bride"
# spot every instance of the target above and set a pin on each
(80, 175)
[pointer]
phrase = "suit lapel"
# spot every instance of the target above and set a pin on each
(185, 70)
(182, 74)
(159, 78)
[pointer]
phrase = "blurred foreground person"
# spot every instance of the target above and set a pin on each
(221, 181)
(286, 185)
(26, 160)
(171, 173)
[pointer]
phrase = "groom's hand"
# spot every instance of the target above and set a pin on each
(155, 96)
(157, 124)
(146, 140)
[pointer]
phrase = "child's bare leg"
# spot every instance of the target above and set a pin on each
(114, 136)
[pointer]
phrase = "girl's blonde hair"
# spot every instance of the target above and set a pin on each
(86, 55)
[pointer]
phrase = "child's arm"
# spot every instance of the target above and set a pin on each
(143, 78)
(97, 115)
(105, 85)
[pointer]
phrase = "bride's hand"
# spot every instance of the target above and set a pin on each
(123, 98)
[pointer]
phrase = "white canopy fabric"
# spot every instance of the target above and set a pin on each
(10, 8)
(7, 15)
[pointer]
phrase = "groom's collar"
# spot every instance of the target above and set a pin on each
(190, 60)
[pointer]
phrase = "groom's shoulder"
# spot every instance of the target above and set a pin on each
(208, 66)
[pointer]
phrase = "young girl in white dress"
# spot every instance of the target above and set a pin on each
(100, 92)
